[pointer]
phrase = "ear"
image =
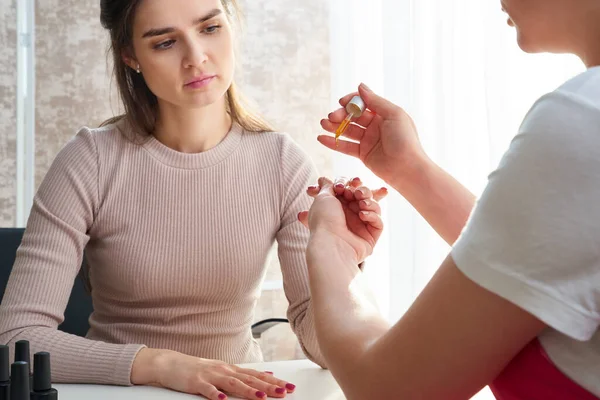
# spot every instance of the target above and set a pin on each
(129, 60)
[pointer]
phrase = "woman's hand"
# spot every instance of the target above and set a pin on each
(209, 378)
(348, 211)
(384, 138)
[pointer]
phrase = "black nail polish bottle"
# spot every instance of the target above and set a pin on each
(42, 386)
(19, 381)
(4, 373)
(22, 354)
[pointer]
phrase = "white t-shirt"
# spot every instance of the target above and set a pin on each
(534, 235)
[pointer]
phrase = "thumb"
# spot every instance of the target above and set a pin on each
(303, 217)
(326, 186)
(376, 103)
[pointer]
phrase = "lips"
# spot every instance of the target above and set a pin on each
(199, 80)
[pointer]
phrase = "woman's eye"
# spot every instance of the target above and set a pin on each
(165, 45)
(212, 29)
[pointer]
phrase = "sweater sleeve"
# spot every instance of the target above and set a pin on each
(297, 173)
(46, 265)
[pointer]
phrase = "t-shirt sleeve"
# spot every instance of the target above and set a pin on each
(534, 236)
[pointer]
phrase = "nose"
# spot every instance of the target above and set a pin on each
(195, 54)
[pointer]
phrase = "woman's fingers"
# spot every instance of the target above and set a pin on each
(346, 99)
(236, 387)
(369, 205)
(209, 391)
(349, 193)
(261, 386)
(372, 219)
(313, 191)
(353, 132)
(303, 217)
(380, 194)
(342, 146)
(355, 183)
(339, 185)
(363, 193)
(269, 378)
(350, 190)
(337, 116)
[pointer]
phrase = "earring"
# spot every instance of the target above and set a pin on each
(138, 69)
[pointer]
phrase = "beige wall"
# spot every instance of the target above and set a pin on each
(8, 113)
(284, 68)
(72, 82)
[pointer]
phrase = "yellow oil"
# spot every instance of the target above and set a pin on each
(342, 128)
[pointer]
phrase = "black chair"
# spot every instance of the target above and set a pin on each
(79, 307)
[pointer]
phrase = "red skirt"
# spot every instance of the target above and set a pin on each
(531, 375)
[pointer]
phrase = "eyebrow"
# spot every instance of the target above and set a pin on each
(164, 31)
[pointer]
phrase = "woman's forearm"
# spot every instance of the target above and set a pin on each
(443, 201)
(346, 316)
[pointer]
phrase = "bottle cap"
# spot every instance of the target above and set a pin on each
(19, 381)
(356, 106)
(22, 351)
(41, 372)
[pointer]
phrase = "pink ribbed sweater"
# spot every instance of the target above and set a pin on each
(177, 246)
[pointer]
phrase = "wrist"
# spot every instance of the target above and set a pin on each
(148, 366)
(324, 245)
(413, 177)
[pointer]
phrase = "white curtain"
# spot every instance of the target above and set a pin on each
(454, 65)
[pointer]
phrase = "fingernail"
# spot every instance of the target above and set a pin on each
(365, 203)
(289, 386)
(222, 396)
(360, 191)
(268, 372)
(280, 391)
(260, 395)
(356, 179)
(365, 87)
(365, 213)
(339, 186)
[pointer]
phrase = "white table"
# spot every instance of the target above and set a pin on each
(312, 383)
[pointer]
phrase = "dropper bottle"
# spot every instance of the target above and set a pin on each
(42, 386)
(354, 108)
(4, 373)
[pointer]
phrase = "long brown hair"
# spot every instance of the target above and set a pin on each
(139, 103)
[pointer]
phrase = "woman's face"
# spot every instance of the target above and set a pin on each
(547, 25)
(184, 49)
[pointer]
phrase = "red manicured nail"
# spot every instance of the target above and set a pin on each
(222, 396)
(268, 372)
(289, 386)
(280, 391)
(260, 395)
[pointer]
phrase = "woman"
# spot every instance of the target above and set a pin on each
(176, 204)
(516, 304)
